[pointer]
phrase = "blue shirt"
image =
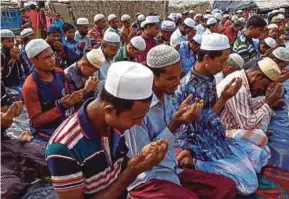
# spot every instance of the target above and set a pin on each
(187, 57)
(177, 37)
(73, 53)
(78, 38)
(205, 137)
(154, 127)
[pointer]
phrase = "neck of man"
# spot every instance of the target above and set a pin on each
(182, 31)
(200, 68)
(158, 93)
(46, 76)
(247, 34)
(147, 33)
(96, 117)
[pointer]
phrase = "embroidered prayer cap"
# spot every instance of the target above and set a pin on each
(282, 10)
(214, 42)
(212, 21)
(190, 22)
(138, 42)
(168, 26)
(95, 57)
(129, 80)
(236, 60)
(218, 16)
(26, 32)
(36, 46)
(98, 17)
(111, 37)
(270, 42)
(141, 17)
(111, 17)
(125, 17)
(269, 68)
(5, 33)
(161, 56)
(239, 11)
(198, 38)
(281, 53)
(179, 15)
(273, 26)
(82, 21)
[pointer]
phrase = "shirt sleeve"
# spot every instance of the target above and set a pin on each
(246, 117)
(65, 170)
(33, 106)
(242, 49)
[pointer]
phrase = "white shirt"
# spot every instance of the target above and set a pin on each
(200, 29)
(177, 37)
(207, 32)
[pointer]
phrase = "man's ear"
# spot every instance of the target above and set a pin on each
(34, 60)
(109, 109)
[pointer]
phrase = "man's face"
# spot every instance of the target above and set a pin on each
(101, 23)
(114, 23)
(166, 35)
(258, 83)
(7, 43)
(273, 33)
(215, 65)
(70, 34)
(237, 28)
(86, 68)
(126, 23)
(169, 81)
(194, 47)
(132, 51)
(83, 30)
(256, 32)
(23, 15)
(215, 28)
(53, 37)
(45, 61)
(191, 34)
(110, 51)
(127, 119)
(57, 17)
(153, 30)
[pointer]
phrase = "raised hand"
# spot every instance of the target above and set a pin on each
(14, 110)
(232, 88)
(185, 159)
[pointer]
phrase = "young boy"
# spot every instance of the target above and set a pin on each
(72, 49)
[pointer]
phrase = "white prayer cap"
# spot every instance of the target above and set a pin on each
(236, 60)
(226, 16)
(275, 11)
(215, 41)
(6, 33)
(152, 19)
(98, 17)
(169, 26)
(276, 19)
(111, 17)
(179, 15)
(138, 42)
(281, 53)
(218, 16)
(141, 17)
(26, 32)
(161, 56)
(111, 37)
(95, 57)
(208, 16)
(199, 15)
(36, 46)
(212, 21)
(82, 21)
(235, 17)
(190, 22)
(129, 80)
(273, 26)
(270, 42)
(281, 16)
(191, 11)
(172, 17)
(125, 17)
(282, 10)
(198, 38)
(142, 24)
(239, 11)
(269, 68)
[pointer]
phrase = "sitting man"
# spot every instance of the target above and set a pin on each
(45, 92)
(87, 155)
(246, 114)
(109, 47)
(13, 75)
(80, 74)
(167, 29)
(206, 137)
(166, 180)
(21, 162)
(130, 51)
(234, 62)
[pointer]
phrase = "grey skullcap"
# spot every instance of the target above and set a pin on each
(281, 53)
(162, 56)
(6, 33)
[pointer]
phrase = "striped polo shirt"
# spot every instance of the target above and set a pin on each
(246, 48)
(78, 157)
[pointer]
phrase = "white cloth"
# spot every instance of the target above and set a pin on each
(177, 37)
(36, 46)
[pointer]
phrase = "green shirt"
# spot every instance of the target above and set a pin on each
(122, 55)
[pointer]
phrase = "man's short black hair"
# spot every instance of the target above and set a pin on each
(67, 26)
(119, 104)
(256, 21)
(157, 71)
(212, 54)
